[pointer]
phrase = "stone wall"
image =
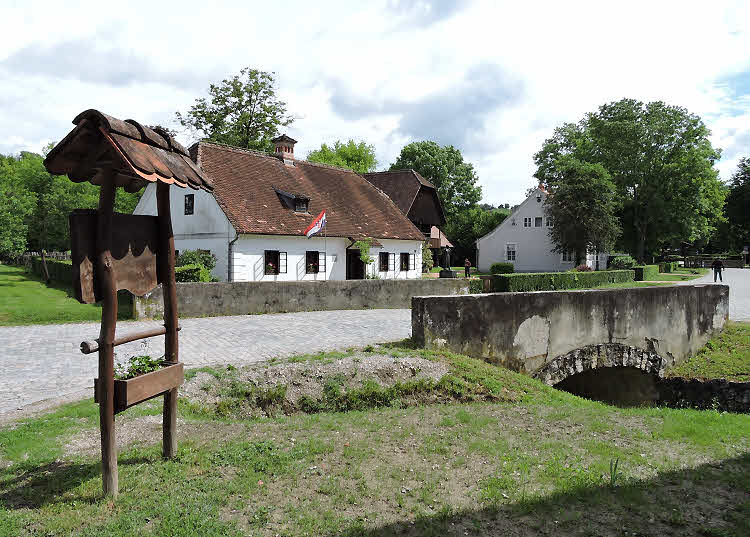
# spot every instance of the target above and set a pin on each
(242, 298)
(535, 332)
(718, 394)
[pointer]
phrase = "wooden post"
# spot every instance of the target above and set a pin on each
(107, 279)
(171, 348)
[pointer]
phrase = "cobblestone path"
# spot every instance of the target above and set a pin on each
(43, 361)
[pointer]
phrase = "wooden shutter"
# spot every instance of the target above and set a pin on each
(412, 261)
(282, 262)
(322, 262)
(391, 262)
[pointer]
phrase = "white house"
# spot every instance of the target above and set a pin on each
(523, 239)
(254, 221)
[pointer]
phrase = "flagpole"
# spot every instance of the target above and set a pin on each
(325, 249)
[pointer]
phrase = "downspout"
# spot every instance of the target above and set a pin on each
(230, 259)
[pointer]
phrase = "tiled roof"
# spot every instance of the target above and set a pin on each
(139, 154)
(402, 186)
(247, 184)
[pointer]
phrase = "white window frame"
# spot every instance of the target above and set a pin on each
(540, 220)
(548, 221)
(515, 251)
(570, 255)
(527, 221)
(412, 261)
(321, 262)
(391, 262)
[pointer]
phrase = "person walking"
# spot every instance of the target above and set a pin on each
(718, 266)
(467, 267)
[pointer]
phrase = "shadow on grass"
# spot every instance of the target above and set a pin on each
(712, 500)
(33, 487)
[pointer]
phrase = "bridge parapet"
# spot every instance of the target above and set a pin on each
(552, 334)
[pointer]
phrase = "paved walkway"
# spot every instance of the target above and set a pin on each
(43, 361)
(738, 281)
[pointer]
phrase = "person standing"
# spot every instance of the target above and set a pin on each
(467, 267)
(718, 266)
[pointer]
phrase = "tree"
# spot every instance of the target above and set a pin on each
(738, 202)
(582, 205)
(661, 162)
(15, 210)
(357, 156)
(444, 166)
(242, 111)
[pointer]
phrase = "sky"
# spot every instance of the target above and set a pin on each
(491, 78)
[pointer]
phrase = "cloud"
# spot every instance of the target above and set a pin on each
(420, 13)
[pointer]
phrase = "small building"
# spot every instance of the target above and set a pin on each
(255, 219)
(418, 199)
(523, 239)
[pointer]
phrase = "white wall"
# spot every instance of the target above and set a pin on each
(248, 258)
(206, 229)
(533, 244)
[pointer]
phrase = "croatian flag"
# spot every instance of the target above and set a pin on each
(317, 224)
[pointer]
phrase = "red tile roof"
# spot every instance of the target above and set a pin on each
(249, 187)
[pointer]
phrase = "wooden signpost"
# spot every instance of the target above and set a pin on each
(112, 251)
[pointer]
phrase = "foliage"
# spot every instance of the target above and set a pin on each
(668, 266)
(192, 273)
(427, 261)
(582, 204)
(138, 365)
(471, 224)
(242, 111)
(646, 273)
(197, 257)
(476, 286)
(502, 268)
(738, 201)
(15, 210)
(555, 281)
(583, 268)
(661, 162)
(364, 245)
(357, 156)
(622, 262)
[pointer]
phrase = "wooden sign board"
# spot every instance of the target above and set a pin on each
(135, 240)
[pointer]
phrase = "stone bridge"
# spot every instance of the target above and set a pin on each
(553, 335)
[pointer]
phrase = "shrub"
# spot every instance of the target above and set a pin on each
(197, 257)
(475, 287)
(427, 261)
(555, 281)
(622, 262)
(502, 268)
(583, 268)
(192, 273)
(668, 266)
(646, 272)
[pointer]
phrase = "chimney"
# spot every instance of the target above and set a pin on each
(284, 148)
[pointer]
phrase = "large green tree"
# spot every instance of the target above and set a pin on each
(17, 205)
(357, 156)
(738, 206)
(242, 111)
(661, 162)
(582, 205)
(455, 180)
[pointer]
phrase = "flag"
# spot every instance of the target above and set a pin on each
(317, 224)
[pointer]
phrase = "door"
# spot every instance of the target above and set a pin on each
(355, 268)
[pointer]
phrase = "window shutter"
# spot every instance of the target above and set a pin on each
(412, 260)
(391, 262)
(282, 262)
(322, 262)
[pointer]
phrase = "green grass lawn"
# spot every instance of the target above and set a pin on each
(520, 458)
(727, 355)
(681, 275)
(25, 299)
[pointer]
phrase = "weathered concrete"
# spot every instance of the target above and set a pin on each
(242, 298)
(555, 334)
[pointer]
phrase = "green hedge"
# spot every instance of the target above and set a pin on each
(502, 268)
(59, 271)
(668, 266)
(475, 286)
(192, 273)
(556, 281)
(644, 273)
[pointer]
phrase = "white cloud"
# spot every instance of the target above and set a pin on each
(493, 78)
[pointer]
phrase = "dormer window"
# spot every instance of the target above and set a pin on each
(300, 205)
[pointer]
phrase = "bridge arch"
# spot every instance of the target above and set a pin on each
(600, 356)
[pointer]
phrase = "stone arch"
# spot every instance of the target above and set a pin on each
(599, 356)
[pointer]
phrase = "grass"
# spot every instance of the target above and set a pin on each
(534, 461)
(25, 299)
(681, 275)
(726, 355)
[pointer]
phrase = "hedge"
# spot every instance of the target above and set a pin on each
(502, 268)
(556, 281)
(668, 266)
(645, 273)
(192, 273)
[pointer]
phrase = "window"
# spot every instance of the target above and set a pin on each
(392, 262)
(300, 205)
(568, 257)
(412, 261)
(275, 262)
(383, 261)
(312, 262)
(510, 252)
(189, 203)
(322, 262)
(538, 221)
(404, 261)
(527, 221)
(549, 222)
